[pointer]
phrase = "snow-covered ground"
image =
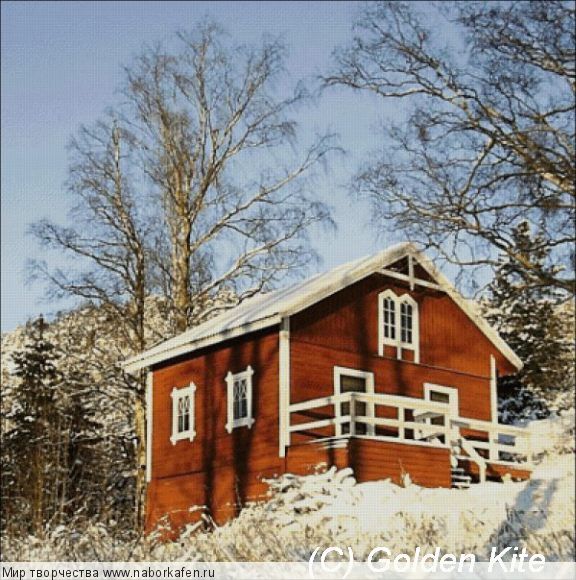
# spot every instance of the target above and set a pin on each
(331, 509)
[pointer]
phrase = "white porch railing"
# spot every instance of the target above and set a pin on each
(414, 422)
(500, 443)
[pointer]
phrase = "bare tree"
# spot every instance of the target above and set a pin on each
(107, 234)
(190, 189)
(213, 137)
(108, 240)
(490, 139)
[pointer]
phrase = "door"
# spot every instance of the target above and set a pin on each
(354, 381)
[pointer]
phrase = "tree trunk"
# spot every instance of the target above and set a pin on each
(140, 431)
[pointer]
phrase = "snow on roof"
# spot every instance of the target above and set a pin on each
(265, 310)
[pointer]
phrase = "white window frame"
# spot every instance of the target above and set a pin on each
(176, 395)
(247, 421)
(369, 376)
(452, 393)
(397, 341)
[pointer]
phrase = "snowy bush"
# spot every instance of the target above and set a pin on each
(332, 509)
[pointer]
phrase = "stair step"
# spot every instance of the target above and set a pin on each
(461, 478)
(460, 485)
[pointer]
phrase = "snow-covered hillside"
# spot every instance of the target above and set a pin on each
(331, 509)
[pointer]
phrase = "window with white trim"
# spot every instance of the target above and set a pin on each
(183, 413)
(398, 323)
(239, 399)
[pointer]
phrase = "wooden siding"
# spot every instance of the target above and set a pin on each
(373, 460)
(312, 368)
(426, 466)
(343, 331)
(348, 321)
(496, 471)
(222, 471)
(308, 458)
(219, 470)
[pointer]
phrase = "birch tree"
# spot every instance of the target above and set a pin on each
(214, 136)
(192, 188)
(107, 243)
(489, 139)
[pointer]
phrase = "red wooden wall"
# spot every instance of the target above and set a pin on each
(342, 330)
(217, 470)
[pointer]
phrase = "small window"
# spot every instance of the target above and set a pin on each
(439, 397)
(183, 413)
(239, 399)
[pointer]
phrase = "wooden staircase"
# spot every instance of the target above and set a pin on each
(460, 478)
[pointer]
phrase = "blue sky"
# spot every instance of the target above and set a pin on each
(61, 66)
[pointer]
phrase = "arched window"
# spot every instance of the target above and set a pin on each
(239, 399)
(183, 413)
(398, 323)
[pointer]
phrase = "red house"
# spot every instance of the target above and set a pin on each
(379, 364)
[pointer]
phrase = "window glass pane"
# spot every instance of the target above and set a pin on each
(183, 414)
(352, 384)
(389, 319)
(439, 397)
(240, 403)
(406, 323)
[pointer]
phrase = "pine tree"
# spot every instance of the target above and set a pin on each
(530, 318)
(66, 422)
(29, 474)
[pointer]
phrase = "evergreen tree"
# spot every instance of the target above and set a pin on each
(30, 487)
(530, 317)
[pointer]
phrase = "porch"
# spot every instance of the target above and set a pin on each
(425, 436)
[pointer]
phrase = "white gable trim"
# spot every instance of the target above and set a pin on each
(469, 308)
(318, 290)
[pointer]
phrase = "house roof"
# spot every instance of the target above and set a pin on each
(265, 310)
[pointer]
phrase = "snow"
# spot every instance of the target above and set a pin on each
(271, 305)
(267, 309)
(331, 509)
(553, 433)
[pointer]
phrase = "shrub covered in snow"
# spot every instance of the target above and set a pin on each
(330, 508)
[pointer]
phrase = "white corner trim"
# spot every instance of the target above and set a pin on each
(230, 379)
(149, 424)
(369, 376)
(284, 386)
(493, 390)
(176, 395)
